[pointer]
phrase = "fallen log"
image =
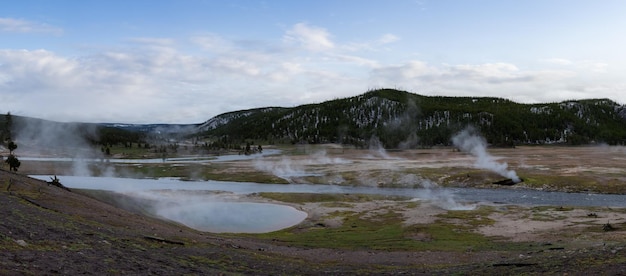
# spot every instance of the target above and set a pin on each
(157, 239)
(507, 182)
(514, 264)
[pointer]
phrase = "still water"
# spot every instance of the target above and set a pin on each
(178, 160)
(214, 213)
(503, 196)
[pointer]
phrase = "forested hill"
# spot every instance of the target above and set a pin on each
(400, 119)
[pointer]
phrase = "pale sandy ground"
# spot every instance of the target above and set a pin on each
(522, 224)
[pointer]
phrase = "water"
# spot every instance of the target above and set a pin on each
(234, 217)
(186, 160)
(195, 203)
(501, 196)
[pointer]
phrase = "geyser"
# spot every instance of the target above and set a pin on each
(468, 140)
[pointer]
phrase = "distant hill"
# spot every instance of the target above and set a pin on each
(393, 118)
(53, 134)
(400, 119)
(155, 129)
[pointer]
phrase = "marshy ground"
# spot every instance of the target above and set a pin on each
(48, 230)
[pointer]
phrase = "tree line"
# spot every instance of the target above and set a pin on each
(399, 118)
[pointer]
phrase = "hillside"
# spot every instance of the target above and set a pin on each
(404, 120)
(393, 118)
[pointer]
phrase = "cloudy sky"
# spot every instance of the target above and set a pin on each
(185, 61)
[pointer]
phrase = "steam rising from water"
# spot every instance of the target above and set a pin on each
(290, 168)
(436, 195)
(471, 142)
(376, 147)
(285, 168)
(47, 138)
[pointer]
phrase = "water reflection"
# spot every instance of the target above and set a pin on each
(470, 195)
(233, 217)
(218, 158)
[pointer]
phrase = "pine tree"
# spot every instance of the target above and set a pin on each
(12, 160)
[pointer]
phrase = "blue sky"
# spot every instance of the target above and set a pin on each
(186, 61)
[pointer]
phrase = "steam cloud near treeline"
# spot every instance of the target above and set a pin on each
(470, 141)
(54, 139)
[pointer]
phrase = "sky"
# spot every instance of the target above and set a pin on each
(186, 61)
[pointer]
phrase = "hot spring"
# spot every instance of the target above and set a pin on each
(233, 217)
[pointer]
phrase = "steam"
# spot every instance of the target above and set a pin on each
(48, 138)
(411, 142)
(404, 125)
(433, 193)
(285, 168)
(468, 140)
(289, 168)
(377, 149)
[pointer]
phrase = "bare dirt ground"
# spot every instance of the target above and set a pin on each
(48, 230)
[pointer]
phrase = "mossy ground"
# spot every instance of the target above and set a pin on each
(385, 228)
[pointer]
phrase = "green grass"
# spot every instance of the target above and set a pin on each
(337, 205)
(386, 231)
(216, 172)
(355, 233)
(133, 152)
(476, 217)
(330, 198)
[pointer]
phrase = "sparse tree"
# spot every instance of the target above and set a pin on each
(12, 160)
(248, 150)
(12, 146)
(6, 129)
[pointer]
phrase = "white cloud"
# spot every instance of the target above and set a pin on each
(286, 71)
(356, 60)
(595, 66)
(309, 37)
(493, 80)
(559, 61)
(151, 80)
(91, 88)
(237, 66)
(388, 38)
(12, 25)
(372, 45)
(212, 42)
(583, 65)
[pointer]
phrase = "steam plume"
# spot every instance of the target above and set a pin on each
(376, 147)
(437, 196)
(48, 138)
(290, 169)
(468, 140)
